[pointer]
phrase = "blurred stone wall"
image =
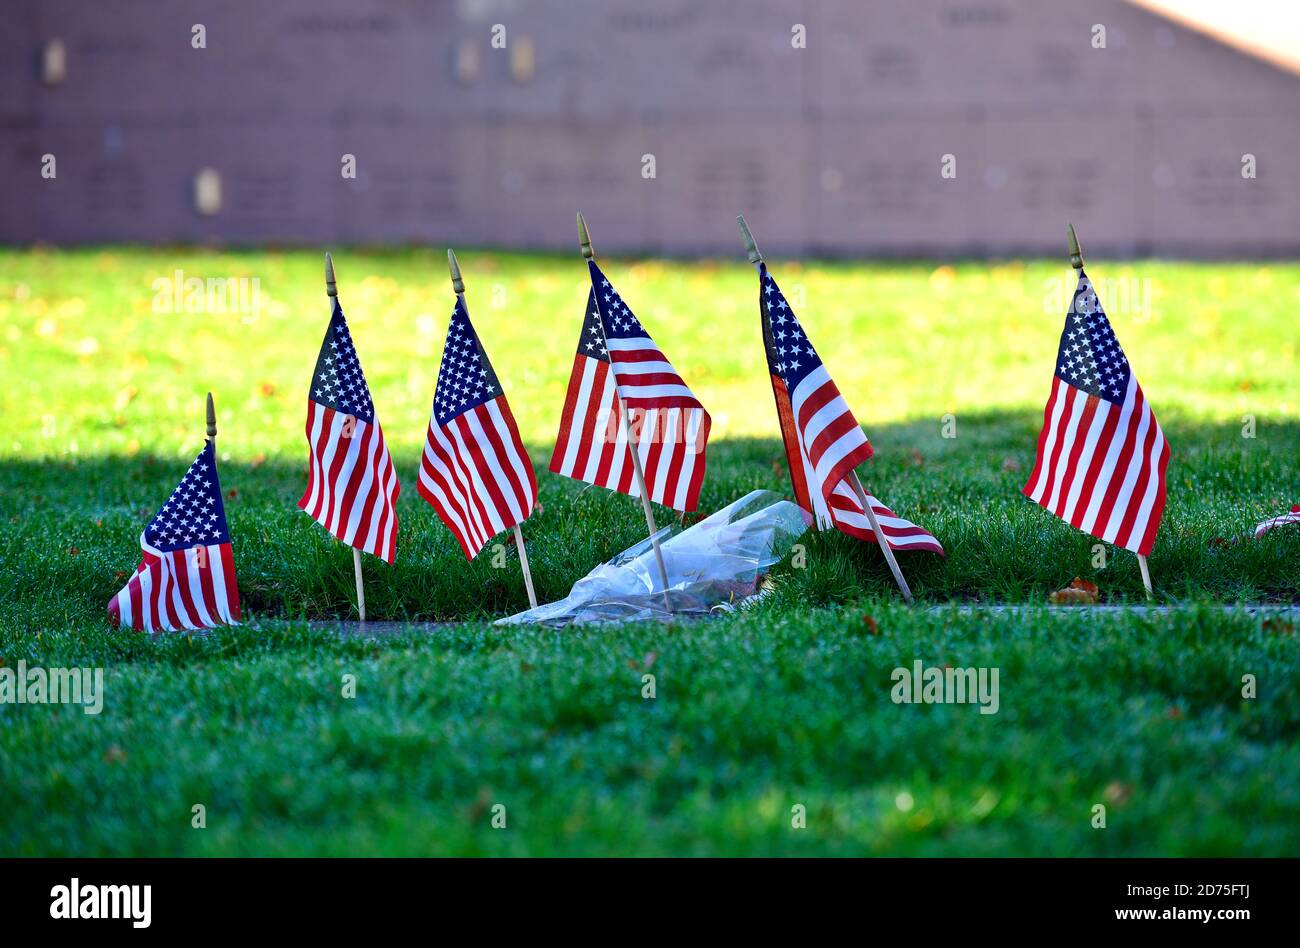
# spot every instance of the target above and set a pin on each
(835, 148)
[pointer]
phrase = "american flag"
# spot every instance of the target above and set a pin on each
(1101, 454)
(592, 444)
(823, 441)
(667, 423)
(1292, 516)
(186, 578)
(352, 485)
(475, 471)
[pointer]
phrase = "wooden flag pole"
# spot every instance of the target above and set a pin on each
(756, 258)
(645, 505)
(1146, 574)
(332, 290)
(584, 240)
(880, 538)
(1076, 261)
(751, 248)
(523, 565)
(361, 589)
(458, 285)
(1076, 255)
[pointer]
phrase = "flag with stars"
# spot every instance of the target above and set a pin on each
(475, 471)
(186, 578)
(1101, 454)
(823, 441)
(592, 443)
(352, 484)
(665, 422)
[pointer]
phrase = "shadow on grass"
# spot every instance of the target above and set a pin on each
(69, 529)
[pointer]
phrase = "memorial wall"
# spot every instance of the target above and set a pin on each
(898, 128)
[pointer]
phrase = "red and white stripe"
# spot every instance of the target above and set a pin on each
(832, 440)
(668, 425)
(1101, 467)
(477, 475)
(592, 443)
(820, 420)
(352, 485)
(1292, 516)
(848, 517)
(193, 588)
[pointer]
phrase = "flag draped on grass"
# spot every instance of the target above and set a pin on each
(352, 484)
(186, 578)
(1292, 516)
(823, 441)
(667, 424)
(1101, 454)
(475, 471)
(591, 445)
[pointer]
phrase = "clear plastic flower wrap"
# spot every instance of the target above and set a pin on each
(719, 561)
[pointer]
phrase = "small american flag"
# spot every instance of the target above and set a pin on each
(668, 425)
(823, 441)
(475, 471)
(1292, 516)
(592, 444)
(352, 484)
(1101, 454)
(186, 578)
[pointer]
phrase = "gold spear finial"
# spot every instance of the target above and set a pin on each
(1076, 255)
(751, 248)
(457, 282)
(331, 288)
(212, 417)
(584, 238)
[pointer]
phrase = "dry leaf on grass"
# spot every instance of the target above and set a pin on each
(1080, 592)
(1279, 626)
(1117, 793)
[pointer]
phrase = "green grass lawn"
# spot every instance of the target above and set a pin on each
(789, 704)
